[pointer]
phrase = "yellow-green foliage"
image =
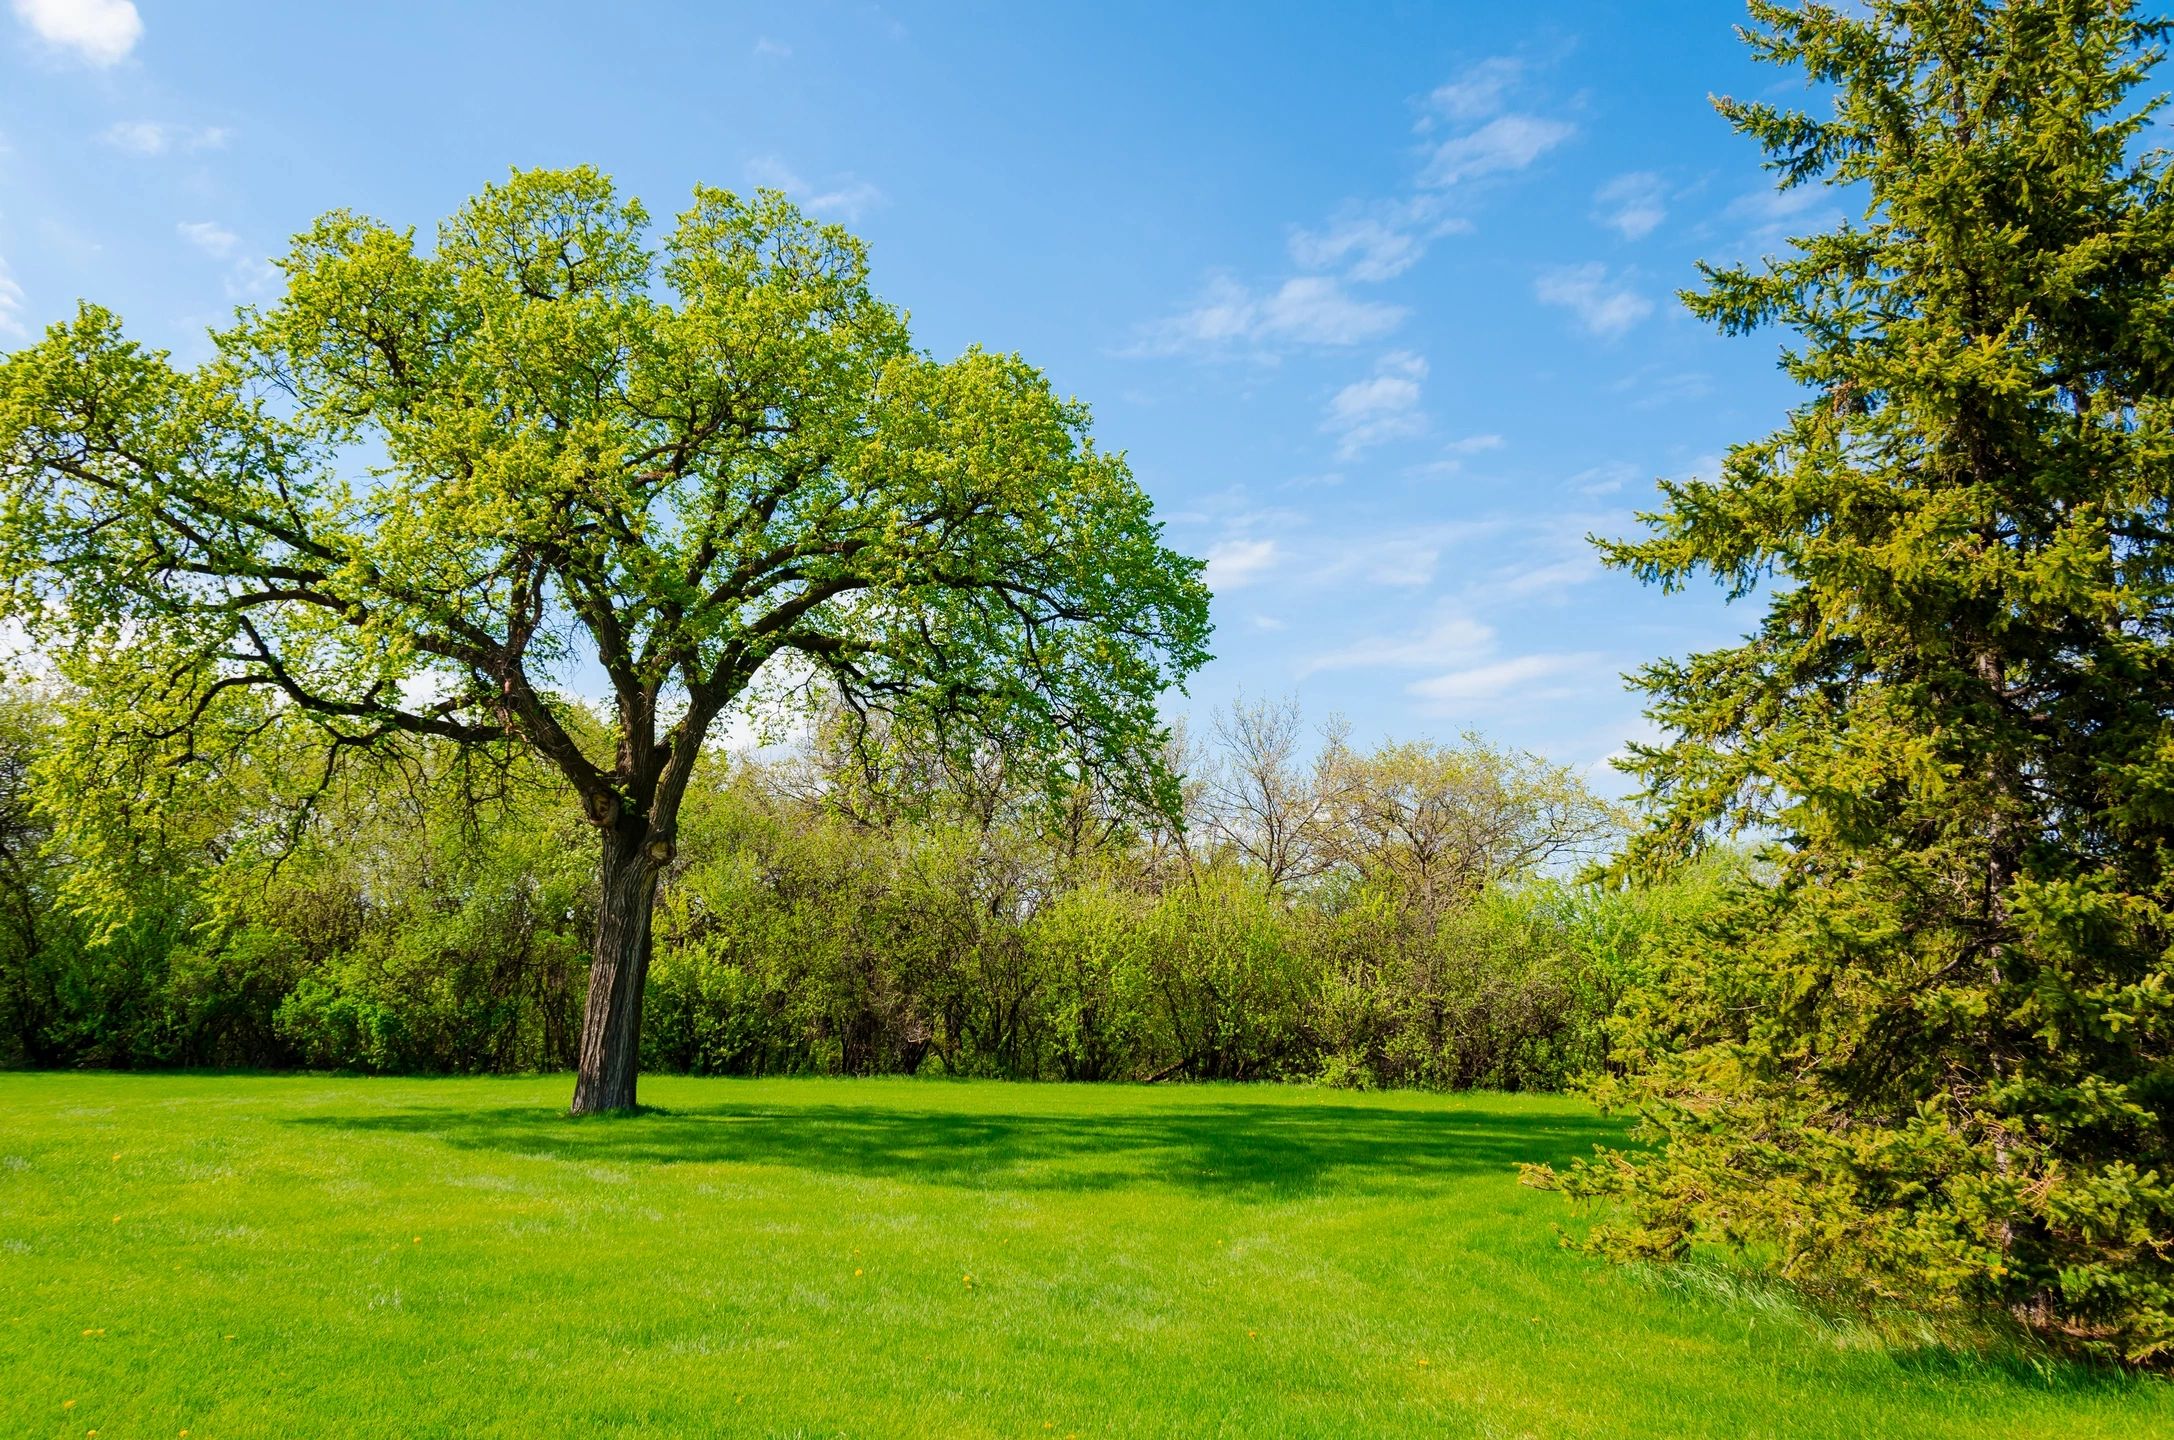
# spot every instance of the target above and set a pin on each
(436, 919)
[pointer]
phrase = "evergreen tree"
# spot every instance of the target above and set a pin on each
(1933, 1059)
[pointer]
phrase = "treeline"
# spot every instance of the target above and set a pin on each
(1405, 916)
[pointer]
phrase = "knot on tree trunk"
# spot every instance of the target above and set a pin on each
(601, 807)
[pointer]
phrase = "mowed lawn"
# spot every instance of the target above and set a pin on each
(300, 1256)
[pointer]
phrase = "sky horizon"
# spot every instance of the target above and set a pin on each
(1380, 303)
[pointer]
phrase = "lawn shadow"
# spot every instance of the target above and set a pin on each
(1212, 1146)
(1948, 1350)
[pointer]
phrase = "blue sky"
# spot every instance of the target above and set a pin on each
(1378, 298)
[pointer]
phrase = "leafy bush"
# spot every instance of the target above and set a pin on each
(423, 920)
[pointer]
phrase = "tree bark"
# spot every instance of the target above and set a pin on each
(611, 1025)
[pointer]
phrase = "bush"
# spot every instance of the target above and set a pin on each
(836, 926)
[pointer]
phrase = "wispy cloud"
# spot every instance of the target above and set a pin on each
(1452, 637)
(848, 199)
(1380, 408)
(1235, 564)
(1498, 682)
(1454, 454)
(1503, 144)
(101, 32)
(1472, 673)
(1550, 556)
(1469, 136)
(1547, 576)
(250, 278)
(1634, 205)
(768, 49)
(153, 137)
(1251, 541)
(1769, 216)
(1486, 135)
(1553, 553)
(11, 304)
(1650, 387)
(1605, 478)
(209, 236)
(1365, 247)
(1398, 562)
(1602, 305)
(1306, 310)
(1480, 91)
(247, 277)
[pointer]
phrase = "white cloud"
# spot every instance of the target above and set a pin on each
(1451, 461)
(1235, 564)
(1770, 216)
(1605, 478)
(1399, 562)
(1602, 306)
(138, 137)
(1308, 557)
(1306, 310)
(1369, 241)
(1548, 575)
(1225, 313)
(251, 278)
(1490, 138)
(99, 31)
(1374, 248)
(1314, 310)
(1377, 242)
(248, 277)
(209, 236)
(1321, 480)
(1702, 467)
(1449, 639)
(848, 200)
(151, 137)
(1499, 681)
(1650, 387)
(11, 304)
(1480, 90)
(1602, 773)
(1633, 204)
(1554, 554)
(1504, 144)
(768, 49)
(1380, 408)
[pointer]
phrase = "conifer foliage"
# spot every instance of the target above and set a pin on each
(1933, 1058)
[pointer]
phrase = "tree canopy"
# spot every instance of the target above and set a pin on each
(439, 491)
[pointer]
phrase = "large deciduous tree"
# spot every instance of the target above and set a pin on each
(1935, 1058)
(433, 491)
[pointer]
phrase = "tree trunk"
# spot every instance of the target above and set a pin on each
(611, 1026)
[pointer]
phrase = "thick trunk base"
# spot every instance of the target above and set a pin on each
(611, 1025)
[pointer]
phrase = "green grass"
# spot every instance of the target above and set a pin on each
(299, 1256)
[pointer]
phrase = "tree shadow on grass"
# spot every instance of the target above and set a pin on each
(2011, 1360)
(1955, 1351)
(1247, 1151)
